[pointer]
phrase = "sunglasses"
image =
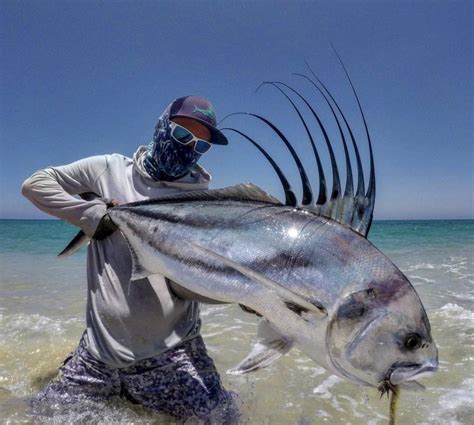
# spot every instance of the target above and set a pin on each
(185, 137)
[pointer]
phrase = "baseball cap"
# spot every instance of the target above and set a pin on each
(201, 110)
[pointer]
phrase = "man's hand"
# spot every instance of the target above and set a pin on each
(106, 226)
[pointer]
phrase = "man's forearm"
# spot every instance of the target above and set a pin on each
(45, 189)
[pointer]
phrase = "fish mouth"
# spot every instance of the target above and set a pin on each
(401, 372)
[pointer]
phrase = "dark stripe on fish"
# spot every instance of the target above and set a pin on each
(218, 223)
(197, 221)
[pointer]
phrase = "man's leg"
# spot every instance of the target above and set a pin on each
(183, 382)
(80, 375)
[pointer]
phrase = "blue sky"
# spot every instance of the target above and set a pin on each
(81, 78)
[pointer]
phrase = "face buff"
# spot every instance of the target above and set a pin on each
(166, 159)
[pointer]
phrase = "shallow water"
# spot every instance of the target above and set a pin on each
(42, 303)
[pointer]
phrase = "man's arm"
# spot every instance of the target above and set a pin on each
(52, 190)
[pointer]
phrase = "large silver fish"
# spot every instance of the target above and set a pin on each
(307, 269)
(316, 283)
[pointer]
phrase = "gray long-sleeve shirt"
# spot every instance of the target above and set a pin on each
(126, 321)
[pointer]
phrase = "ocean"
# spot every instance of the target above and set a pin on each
(42, 304)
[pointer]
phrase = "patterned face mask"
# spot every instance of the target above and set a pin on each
(166, 159)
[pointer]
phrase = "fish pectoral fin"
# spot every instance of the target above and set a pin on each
(138, 271)
(292, 297)
(75, 244)
(268, 348)
(261, 356)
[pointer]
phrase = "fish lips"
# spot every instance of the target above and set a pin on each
(401, 372)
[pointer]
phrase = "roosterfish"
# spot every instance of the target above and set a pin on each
(305, 268)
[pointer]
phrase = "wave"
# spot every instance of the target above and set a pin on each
(32, 346)
(452, 310)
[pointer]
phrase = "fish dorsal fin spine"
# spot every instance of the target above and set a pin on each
(354, 210)
(241, 192)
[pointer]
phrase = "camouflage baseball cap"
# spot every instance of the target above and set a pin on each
(201, 110)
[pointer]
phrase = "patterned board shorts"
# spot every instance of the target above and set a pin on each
(182, 382)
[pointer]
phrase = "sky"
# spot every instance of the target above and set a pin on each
(81, 78)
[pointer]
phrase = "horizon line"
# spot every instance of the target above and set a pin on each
(375, 220)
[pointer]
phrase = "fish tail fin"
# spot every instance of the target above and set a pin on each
(76, 243)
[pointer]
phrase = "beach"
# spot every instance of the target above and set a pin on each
(42, 305)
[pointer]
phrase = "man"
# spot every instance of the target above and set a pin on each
(141, 342)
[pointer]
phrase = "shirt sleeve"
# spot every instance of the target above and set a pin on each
(52, 190)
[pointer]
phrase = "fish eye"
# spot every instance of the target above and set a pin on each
(412, 342)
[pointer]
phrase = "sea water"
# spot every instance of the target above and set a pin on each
(42, 304)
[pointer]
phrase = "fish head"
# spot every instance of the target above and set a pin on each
(381, 334)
